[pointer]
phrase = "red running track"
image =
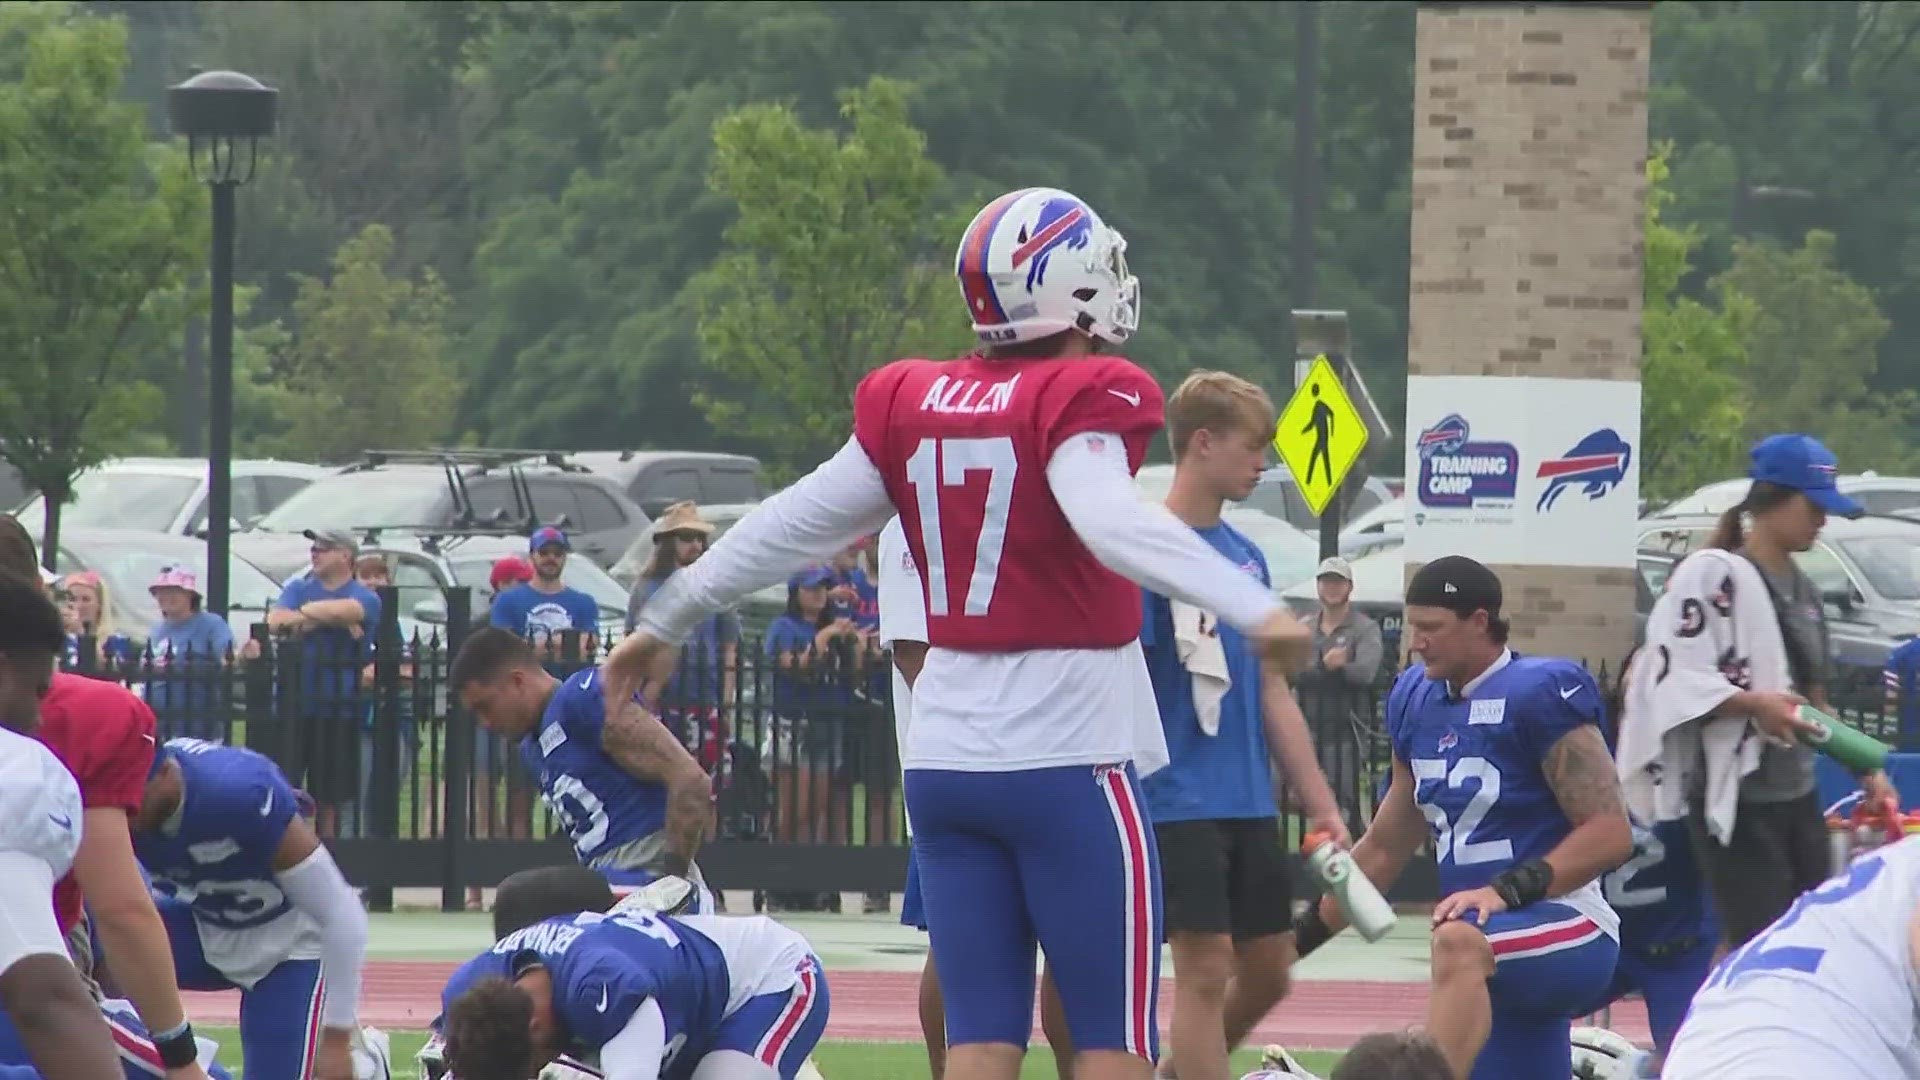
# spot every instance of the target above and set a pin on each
(877, 1006)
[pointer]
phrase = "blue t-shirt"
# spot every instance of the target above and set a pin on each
(865, 609)
(696, 681)
(112, 649)
(603, 806)
(1224, 775)
(1476, 761)
(541, 617)
(332, 657)
(604, 967)
(1903, 677)
(188, 657)
(809, 688)
(219, 859)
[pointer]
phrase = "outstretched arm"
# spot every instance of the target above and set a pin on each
(59, 1025)
(828, 509)
(314, 885)
(644, 747)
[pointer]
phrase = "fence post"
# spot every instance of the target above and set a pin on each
(383, 802)
(257, 700)
(456, 757)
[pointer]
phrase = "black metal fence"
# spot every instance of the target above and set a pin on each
(799, 743)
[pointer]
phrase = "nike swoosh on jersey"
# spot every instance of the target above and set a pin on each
(1131, 398)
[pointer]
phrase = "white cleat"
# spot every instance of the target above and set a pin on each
(1277, 1064)
(372, 1055)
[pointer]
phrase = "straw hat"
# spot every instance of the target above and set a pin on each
(682, 516)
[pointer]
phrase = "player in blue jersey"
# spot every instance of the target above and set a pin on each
(707, 996)
(635, 802)
(253, 902)
(1504, 758)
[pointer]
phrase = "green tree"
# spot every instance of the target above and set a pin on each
(1812, 348)
(103, 229)
(1693, 393)
(370, 363)
(834, 266)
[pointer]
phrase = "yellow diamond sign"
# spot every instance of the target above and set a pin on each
(1321, 435)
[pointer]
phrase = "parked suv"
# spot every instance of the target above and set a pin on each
(467, 490)
(656, 479)
(169, 494)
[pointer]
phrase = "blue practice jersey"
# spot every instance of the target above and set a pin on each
(604, 807)
(1658, 893)
(604, 967)
(1477, 765)
(217, 852)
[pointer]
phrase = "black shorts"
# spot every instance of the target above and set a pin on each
(1777, 851)
(1225, 876)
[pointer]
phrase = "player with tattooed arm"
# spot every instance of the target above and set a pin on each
(633, 799)
(1503, 757)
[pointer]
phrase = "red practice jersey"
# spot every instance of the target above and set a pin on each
(963, 446)
(104, 735)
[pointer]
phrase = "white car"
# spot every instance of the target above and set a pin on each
(1879, 494)
(169, 494)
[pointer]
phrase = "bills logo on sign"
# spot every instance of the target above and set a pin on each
(1597, 464)
(1457, 472)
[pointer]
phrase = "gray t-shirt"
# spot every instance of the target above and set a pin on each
(1786, 772)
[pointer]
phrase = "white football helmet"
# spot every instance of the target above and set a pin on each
(1039, 261)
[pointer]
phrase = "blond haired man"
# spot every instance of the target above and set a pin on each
(1227, 891)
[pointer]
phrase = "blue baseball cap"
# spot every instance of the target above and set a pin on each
(1802, 463)
(813, 577)
(547, 534)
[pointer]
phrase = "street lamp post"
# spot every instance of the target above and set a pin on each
(224, 115)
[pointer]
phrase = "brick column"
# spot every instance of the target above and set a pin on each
(1529, 150)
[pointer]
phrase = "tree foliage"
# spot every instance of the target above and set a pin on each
(1693, 389)
(372, 364)
(833, 266)
(100, 232)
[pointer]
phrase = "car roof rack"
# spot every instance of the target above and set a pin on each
(459, 462)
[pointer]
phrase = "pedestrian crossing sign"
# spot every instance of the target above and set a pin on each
(1321, 435)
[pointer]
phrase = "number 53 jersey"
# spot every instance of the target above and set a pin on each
(1829, 990)
(216, 854)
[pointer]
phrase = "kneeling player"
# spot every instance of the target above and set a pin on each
(253, 902)
(1502, 757)
(1826, 991)
(713, 997)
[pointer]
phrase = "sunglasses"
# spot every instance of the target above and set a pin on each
(688, 537)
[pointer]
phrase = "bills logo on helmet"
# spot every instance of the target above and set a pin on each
(1597, 463)
(1061, 221)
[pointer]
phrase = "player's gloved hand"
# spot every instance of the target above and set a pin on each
(1283, 640)
(333, 1058)
(640, 664)
(1485, 900)
(432, 1058)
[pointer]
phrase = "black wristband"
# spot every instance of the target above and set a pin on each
(178, 1048)
(1310, 932)
(1523, 884)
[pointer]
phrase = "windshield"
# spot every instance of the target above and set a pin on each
(473, 571)
(1712, 499)
(360, 500)
(115, 499)
(1891, 564)
(130, 568)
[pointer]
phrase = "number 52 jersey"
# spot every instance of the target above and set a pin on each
(1829, 990)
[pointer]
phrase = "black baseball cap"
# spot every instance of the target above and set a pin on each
(1458, 584)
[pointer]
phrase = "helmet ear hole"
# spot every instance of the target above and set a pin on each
(1084, 295)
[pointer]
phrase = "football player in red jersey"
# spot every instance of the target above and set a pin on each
(1012, 471)
(104, 735)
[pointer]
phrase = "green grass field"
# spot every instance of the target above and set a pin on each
(837, 1060)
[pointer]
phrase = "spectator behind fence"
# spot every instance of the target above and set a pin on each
(89, 614)
(335, 619)
(854, 594)
(188, 651)
(372, 572)
(696, 701)
(1345, 641)
(545, 610)
(816, 654)
(1903, 689)
(508, 571)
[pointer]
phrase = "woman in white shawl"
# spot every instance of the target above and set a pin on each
(1734, 646)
